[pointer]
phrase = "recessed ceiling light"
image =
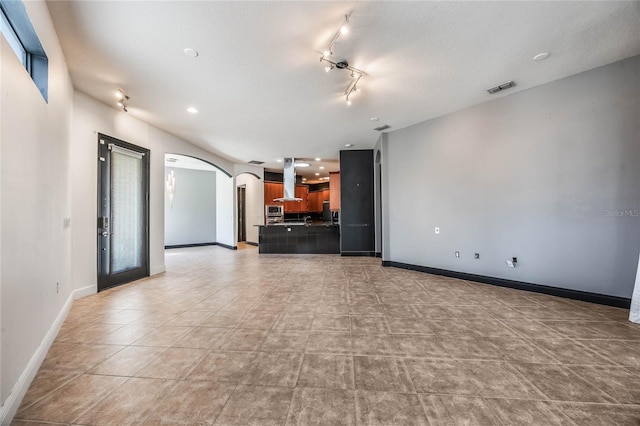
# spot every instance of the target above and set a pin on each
(318, 159)
(317, 174)
(192, 110)
(374, 119)
(541, 56)
(321, 167)
(300, 164)
(279, 160)
(191, 52)
(349, 145)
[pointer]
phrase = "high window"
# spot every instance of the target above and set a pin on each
(17, 29)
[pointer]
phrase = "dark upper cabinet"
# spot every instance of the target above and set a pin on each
(357, 230)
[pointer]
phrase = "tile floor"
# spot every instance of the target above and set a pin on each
(234, 338)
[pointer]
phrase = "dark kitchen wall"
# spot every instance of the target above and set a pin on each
(357, 230)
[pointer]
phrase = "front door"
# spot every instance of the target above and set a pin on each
(123, 212)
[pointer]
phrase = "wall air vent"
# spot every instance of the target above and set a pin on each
(383, 127)
(256, 162)
(501, 87)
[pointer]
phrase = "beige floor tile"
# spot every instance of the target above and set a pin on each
(249, 317)
(77, 357)
(274, 369)
(243, 340)
(66, 403)
(189, 318)
(620, 352)
(258, 321)
(526, 412)
(457, 410)
(387, 408)
(256, 405)
(420, 346)
(364, 344)
(569, 351)
(191, 403)
(223, 367)
(323, 322)
(369, 325)
(125, 335)
(336, 343)
(601, 414)
(614, 381)
(221, 321)
(45, 382)
(127, 361)
(202, 338)
(294, 322)
(326, 407)
(277, 341)
(163, 336)
(327, 371)
(174, 363)
(381, 374)
(131, 403)
(558, 383)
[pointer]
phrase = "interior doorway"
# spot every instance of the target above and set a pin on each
(123, 212)
(242, 213)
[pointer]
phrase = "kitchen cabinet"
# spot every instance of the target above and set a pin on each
(334, 191)
(276, 190)
(316, 199)
(272, 190)
(301, 191)
(357, 235)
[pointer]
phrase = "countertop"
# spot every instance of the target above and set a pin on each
(300, 224)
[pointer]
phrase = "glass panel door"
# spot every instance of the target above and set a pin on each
(123, 187)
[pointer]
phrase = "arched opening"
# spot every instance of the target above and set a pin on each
(249, 208)
(196, 202)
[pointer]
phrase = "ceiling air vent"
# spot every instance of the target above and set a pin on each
(501, 87)
(383, 127)
(256, 162)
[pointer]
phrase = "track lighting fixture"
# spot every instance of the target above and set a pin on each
(122, 99)
(343, 30)
(355, 73)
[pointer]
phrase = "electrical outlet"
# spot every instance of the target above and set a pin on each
(437, 229)
(457, 254)
(477, 255)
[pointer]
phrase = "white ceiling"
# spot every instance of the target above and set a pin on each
(262, 93)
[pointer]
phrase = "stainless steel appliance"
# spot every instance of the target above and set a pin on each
(274, 213)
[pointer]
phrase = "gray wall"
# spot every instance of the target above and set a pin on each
(539, 175)
(192, 219)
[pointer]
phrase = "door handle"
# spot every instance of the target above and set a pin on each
(105, 234)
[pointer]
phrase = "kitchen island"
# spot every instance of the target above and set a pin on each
(299, 238)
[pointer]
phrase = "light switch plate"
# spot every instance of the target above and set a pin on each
(510, 264)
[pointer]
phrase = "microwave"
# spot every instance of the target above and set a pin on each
(274, 210)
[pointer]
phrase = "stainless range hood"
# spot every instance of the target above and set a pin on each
(289, 179)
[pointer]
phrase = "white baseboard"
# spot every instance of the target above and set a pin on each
(12, 403)
(84, 291)
(157, 270)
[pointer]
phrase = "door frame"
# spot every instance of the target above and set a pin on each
(104, 279)
(242, 219)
